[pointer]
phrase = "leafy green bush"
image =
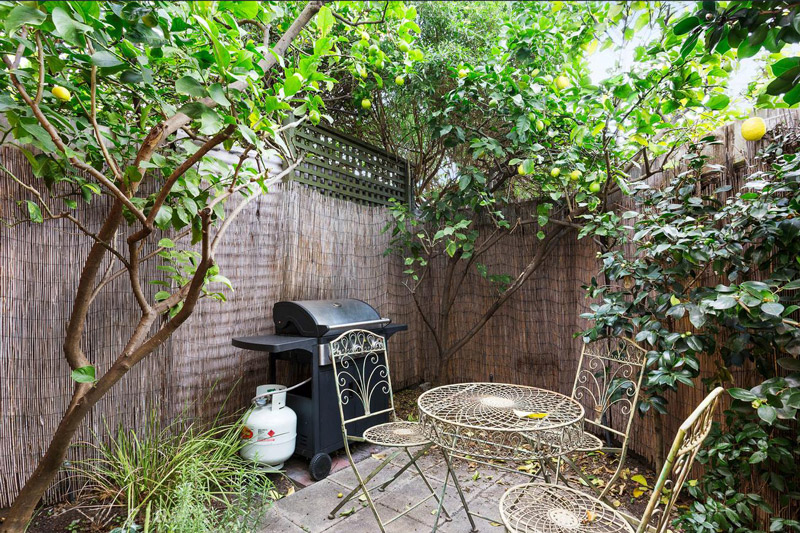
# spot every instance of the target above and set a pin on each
(719, 273)
(177, 478)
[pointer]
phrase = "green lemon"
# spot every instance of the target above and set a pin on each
(366, 104)
(594, 187)
(400, 80)
(555, 172)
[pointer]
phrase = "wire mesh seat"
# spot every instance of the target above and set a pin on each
(544, 508)
(589, 443)
(396, 434)
(548, 508)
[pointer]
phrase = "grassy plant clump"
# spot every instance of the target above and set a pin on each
(178, 478)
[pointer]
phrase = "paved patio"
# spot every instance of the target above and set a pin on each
(307, 509)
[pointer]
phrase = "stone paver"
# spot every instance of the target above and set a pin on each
(307, 509)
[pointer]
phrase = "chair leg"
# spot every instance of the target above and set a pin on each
(363, 487)
(413, 460)
(620, 463)
(371, 475)
(405, 467)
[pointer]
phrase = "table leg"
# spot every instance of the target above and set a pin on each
(452, 473)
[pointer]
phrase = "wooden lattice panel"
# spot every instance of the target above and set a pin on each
(345, 167)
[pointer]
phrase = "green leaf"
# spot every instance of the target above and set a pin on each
(772, 308)
(164, 216)
(324, 20)
(34, 212)
(767, 413)
(166, 243)
(785, 64)
(718, 101)
(686, 25)
(160, 296)
(84, 374)
(791, 364)
(292, 84)
(23, 15)
(742, 394)
(689, 45)
(104, 59)
(241, 9)
(67, 28)
(210, 123)
(193, 109)
(218, 95)
(792, 96)
(192, 87)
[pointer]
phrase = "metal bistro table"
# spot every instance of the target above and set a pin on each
(498, 421)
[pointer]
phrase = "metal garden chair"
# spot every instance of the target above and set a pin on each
(608, 378)
(361, 369)
(540, 507)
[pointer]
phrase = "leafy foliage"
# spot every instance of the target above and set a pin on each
(748, 27)
(718, 273)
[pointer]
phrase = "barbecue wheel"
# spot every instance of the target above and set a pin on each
(320, 466)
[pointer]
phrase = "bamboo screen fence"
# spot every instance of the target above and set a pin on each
(293, 243)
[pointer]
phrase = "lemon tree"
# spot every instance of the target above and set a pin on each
(528, 119)
(126, 100)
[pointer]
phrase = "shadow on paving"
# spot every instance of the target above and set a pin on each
(307, 509)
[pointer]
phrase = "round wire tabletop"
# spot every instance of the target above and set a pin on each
(501, 421)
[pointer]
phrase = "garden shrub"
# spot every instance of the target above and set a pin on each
(718, 273)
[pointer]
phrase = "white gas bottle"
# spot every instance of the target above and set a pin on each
(270, 429)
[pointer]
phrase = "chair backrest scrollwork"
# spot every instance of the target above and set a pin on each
(361, 370)
(678, 464)
(608, 377)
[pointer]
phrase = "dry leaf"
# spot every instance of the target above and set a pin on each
(590, 517)
(379, 456)
(348, 513)
(527, 414)
(640, 479)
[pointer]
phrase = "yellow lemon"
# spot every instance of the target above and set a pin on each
(555, 172)
(400, 80)
(753, 129)
(366, 104)
(61, 93)
(562, 82)
(462, 73)
(520, 170)
(575, 175)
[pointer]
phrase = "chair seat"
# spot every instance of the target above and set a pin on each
(396, 434)
(544, 508)
(589, 443)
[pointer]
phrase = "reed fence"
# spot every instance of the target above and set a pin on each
(296, 242)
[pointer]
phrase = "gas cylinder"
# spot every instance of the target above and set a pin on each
(269, 432)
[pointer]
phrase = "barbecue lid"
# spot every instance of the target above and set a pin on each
(315, 318)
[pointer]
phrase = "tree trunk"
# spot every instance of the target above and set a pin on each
(25, 503)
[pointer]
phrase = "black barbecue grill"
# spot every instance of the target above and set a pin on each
(303, 331)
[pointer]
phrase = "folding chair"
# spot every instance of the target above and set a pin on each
(361, 369)
(608, 378)
(543, 508)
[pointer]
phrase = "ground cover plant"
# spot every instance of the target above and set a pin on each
(118, 104)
